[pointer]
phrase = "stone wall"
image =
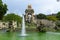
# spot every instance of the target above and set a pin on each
(6, 24)
(46, 22)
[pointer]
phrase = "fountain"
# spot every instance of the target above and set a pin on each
(23, 31)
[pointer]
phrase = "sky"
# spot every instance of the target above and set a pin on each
(40, 6)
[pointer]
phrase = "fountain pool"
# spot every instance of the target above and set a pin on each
(32, 36)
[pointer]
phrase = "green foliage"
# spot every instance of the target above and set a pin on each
(12, 16)
(3, 9)
(41, 27)
(53, 18)
(58, 15)
(32, 25)
(41, 16)
(58, 23)
(57, 28)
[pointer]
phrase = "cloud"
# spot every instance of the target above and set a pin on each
(39, 6)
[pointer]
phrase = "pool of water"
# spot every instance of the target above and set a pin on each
(31, 36)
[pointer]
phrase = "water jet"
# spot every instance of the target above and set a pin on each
(23, 31)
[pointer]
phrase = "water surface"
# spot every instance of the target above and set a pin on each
(31, 36)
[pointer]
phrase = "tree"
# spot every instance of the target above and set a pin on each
(58, 15)
(12, 17)
(3, 9)
(41, 16)
(53, 18)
